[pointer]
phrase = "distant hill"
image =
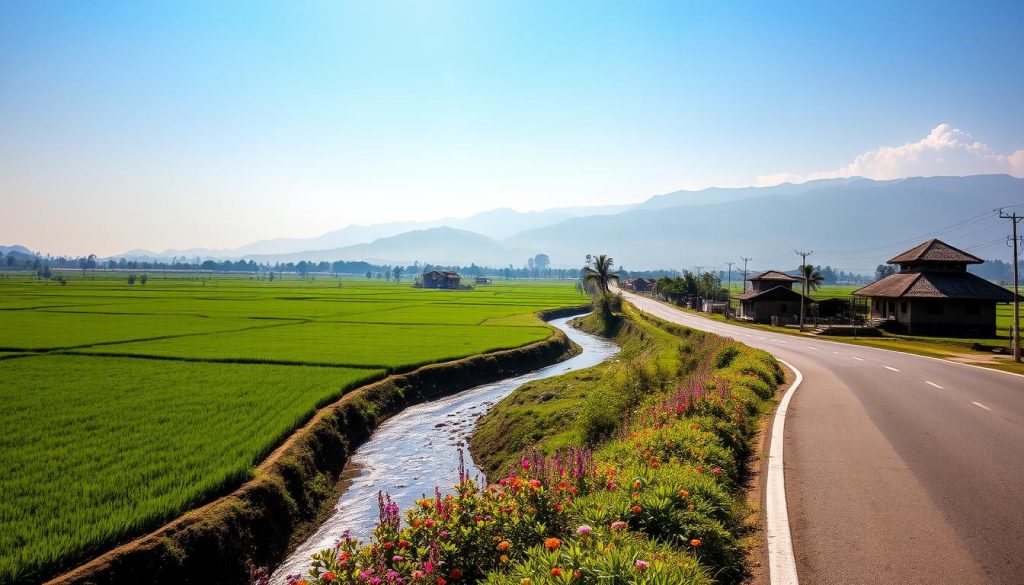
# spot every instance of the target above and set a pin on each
(852, 224)
(434, 245)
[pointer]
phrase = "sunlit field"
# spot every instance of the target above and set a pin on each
(126, 405)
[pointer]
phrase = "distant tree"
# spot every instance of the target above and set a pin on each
(884, 270)
(598, 273)
(531, 265)
(143, 278)
(541, 262)
(271, 276)
(397, 272)
(131, 279)
(369, 275)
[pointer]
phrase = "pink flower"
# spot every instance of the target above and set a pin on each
(618, 525)
(584, 530)
(525, 463)
(397, 558)
(641, 565)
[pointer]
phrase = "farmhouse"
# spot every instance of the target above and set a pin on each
(771, 295)
(440, 279)
(483, 280)
(933, 294)
(640, 284)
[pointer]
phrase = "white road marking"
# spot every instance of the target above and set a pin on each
(781, 561)
(934, 384)
(837, 353)
(980, 405)
(781, 341)
(857, 358)
(761, 338)
(891, 368)
(811, 347)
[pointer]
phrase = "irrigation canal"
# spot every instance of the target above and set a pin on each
(417, 449)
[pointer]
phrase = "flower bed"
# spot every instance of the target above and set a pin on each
(658, 503)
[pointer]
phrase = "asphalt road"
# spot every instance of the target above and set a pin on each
(898, 468)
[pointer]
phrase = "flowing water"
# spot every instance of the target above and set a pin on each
(418, 449)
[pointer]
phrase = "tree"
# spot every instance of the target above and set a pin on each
(884, 270)
(397, 272)
(369, 275)
(598, 273)
(541, 262)
(813, 277)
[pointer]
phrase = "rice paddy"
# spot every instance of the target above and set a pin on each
(126, 405)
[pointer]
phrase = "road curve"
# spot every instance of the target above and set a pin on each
(898, 468)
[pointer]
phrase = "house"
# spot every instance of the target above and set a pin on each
(640, 284)
(483, 280)
(771, 295)
(933, 294)
(440, 279)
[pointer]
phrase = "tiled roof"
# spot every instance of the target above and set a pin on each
(775, 275)
(935, 251)
(775, 293)
(936, 285)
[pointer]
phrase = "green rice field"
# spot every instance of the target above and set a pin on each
(127, 405)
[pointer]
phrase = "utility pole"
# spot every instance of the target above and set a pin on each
(745, 260)
(1015, 329)
(728, 293)
(803, 277)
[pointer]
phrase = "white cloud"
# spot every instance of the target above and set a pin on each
(945, 151)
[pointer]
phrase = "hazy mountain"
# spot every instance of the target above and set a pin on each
(713, 195)
(440, 245)
(850, 224)
(15, 248)
(496, 223)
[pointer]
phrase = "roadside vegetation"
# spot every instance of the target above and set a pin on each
(628, 472)
(124, 407)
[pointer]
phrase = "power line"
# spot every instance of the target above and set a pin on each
(803, 276)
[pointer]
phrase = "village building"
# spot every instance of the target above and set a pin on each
(933, 294)
(440, 279)
(483, 280)
(771, 298)
(640, 284)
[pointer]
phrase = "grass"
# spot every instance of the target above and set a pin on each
(98, 448)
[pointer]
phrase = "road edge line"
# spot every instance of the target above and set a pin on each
(781, 560)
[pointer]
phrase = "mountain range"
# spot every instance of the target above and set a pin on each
(850, 223)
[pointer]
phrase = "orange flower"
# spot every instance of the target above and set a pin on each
(552, 543)
(503, 558)
(504, 545)
(683, 493)
(635, 509)
(695, 543)
(556, 572)
(328, 576)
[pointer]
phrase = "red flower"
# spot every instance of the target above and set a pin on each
(328, 576)
(556, 572)
(455, 573)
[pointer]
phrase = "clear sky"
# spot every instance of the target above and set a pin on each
(177, 124)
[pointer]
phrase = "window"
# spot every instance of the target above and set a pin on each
(934, 308)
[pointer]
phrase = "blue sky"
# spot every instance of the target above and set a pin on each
(176, 124)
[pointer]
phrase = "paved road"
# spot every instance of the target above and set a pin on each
(899, 468)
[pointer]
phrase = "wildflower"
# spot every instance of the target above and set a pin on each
(618, 525)
(441, 581)
(635, 509)
(641, 565)
(503, 558)
(683, 493)
(556, 572)
(525, 581)
(443, 534)
(695, 543)
(328, 576)
(525, 464)
(552, 543)
(397, 559)
(584, 530)
(429, 523)
(504, 545)
(691, 507)
(700, 469)
(716, 470)
(636, 484)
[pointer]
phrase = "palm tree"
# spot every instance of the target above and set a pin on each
(598, 273)
(813, 278)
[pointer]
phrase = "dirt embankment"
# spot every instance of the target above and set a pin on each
(258, 523)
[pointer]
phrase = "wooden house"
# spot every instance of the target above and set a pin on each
(640, 284)
(771, 294)
(933, 294)
(483, 280)
(440, 279)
